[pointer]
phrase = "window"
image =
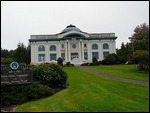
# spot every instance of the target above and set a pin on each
(105, 46)
(85, 45)
(105, 54)
(62, 46)
(52, 56)
(52, 48)
(85, 55)
(95, 54)
(94, 46)
(63, 56)
(41, 57)
(41, 48)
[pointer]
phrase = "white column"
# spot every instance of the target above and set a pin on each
(58, 50)
(100, 50)
(69, 51)
(32, 52)
(66, 59)
(79, 50)
(114, 46)
(36, 53)
(82, 46)
(89, 51)
(110, 43)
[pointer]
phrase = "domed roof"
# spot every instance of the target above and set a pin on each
(70, 27)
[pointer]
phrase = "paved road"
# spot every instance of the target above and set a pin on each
(114, 77)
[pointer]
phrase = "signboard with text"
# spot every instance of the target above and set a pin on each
(15, 73)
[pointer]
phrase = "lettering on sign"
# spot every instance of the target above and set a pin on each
(15, 73)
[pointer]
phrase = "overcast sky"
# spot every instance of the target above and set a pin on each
(20, 19)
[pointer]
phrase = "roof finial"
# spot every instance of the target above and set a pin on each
(71, 25)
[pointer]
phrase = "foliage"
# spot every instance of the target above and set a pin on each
(94, 60)
(140, 41)
(22, 54)
(6, 60)
(50, 74)
(124, 53)
(141, 35)
(68, 64)
(18, 94)
(143, 58)
(4, 53)
(110, 59)
(60, 61)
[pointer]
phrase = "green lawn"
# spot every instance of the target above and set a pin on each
(87, 92)
(125, 71)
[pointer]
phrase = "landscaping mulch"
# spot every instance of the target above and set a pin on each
(9, 108)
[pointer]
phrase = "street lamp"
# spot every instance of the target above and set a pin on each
(132, 39)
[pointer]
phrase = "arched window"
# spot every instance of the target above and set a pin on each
(52, 48)
(41, 48)
(105, 46)
(94, 46)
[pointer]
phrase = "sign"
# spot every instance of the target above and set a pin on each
(15, 73)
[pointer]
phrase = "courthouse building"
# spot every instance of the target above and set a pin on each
(72, 45)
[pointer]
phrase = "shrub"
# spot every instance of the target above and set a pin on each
(111, 59)
(50, 74)
(18, 94)
(60, 61)
(85, 64)
(94, 60)
(69, 64)
(6, 60)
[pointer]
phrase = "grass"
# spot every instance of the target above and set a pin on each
(125, 71)
(91, 93)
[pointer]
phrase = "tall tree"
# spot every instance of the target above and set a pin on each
(20, 54)
(141, 46)
(141, 35)
(124, 53)
(4, 53)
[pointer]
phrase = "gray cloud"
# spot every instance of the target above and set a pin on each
(20, 19)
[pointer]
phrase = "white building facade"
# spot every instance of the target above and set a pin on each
(72, 45)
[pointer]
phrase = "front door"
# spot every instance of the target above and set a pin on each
(74, 55)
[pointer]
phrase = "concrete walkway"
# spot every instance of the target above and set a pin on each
(114, 77)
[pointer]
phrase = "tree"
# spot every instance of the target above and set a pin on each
(60, 61)
(141, 35)
(22, 54)
(143, 58)
(125, 53)
(6, 60)
(141, 45)
(7, 56)
(111, 59)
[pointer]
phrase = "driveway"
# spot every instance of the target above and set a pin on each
(114, 77)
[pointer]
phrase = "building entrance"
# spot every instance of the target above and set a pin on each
(74, 55)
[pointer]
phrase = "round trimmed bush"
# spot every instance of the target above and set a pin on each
(50, 74)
